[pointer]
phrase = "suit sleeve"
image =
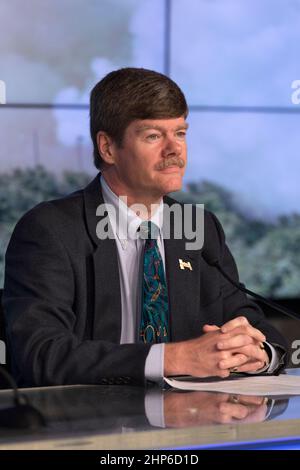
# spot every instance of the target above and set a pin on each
(236, 303)
(38, 304)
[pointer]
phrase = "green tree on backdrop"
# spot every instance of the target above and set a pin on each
(267, 254)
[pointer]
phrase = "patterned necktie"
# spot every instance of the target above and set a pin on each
(154, 326)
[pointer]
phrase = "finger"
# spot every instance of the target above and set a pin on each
(255, 333)
(238, 341)
(253, 352)
(251, 400)
(208, 328)
(224, 419)
(249, 330)
(236, 411)
(232, 362)
(242, 322)
(222, 373)
(257, 415)
(247, 400)
(219, 397)
(235, 323)
(250, 366)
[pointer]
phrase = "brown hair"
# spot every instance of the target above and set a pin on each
(128, 94)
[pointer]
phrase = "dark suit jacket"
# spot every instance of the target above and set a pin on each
(62, 296)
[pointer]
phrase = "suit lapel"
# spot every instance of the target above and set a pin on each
(106, 324)
(107, 321)
(183, 287)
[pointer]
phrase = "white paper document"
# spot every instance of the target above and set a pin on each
(249, 385)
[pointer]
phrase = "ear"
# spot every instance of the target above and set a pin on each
(105, 147)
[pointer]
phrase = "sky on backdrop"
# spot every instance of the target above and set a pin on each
(222, 53)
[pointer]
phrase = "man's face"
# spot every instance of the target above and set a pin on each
(151, 161)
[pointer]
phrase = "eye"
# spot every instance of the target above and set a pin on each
(153, 137)
(181, 134)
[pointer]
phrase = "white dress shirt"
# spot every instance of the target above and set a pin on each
(130, 248)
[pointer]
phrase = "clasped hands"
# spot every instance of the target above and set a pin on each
(241, 344)
(202, 408)
(236, 346)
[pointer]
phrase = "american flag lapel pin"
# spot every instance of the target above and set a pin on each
(185, 264)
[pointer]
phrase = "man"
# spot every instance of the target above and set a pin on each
(82, 308)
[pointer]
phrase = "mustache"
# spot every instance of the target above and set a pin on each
(174, 161)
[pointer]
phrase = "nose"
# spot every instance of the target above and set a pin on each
(171, 147)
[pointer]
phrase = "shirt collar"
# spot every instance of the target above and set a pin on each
(126, 222)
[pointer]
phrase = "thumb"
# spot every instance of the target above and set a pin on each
(208, 328)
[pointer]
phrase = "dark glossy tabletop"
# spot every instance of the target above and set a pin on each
(107, 417)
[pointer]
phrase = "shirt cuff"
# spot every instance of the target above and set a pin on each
(274, 357)
(154, 366)
(154, 371)
(154, 408)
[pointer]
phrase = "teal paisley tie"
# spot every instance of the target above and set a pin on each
(154, 326)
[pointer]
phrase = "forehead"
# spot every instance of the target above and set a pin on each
(140, 125)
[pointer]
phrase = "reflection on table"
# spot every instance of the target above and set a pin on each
(132, 417)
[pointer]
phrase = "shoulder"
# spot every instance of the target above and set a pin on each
(53, 216)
